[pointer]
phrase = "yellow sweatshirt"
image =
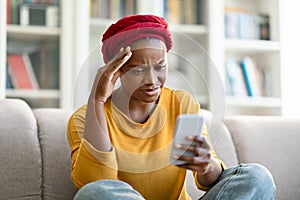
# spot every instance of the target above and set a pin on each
(140, 154)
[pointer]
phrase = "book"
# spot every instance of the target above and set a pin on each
(173, 12)
(264, 26)
(235, 79)
(252, 77)
(115, 9)
(14, 11)
(8, 83)
(8, 8)
(232, 21)
(200, 12)
(189, 12)
(231, 24)
(47, 65)
(38, 14)
(266, 82)
(130, 7)
(183, 11)
(242, 24)
(21, 71)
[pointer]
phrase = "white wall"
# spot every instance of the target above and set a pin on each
(290, 60)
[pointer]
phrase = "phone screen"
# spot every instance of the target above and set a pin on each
(186, 124)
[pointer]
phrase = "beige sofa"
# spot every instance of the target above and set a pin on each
(35, 161)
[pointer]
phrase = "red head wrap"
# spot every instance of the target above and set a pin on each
(132, 28)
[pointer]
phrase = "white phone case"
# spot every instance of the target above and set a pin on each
(186, 124)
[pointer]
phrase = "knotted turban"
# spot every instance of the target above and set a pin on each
(132, 28)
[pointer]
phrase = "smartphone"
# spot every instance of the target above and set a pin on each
(186, 124)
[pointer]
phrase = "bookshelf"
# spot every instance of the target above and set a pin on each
(264, 51)
(48, 50)
(79, 35)
(210, 33)
(33, 31)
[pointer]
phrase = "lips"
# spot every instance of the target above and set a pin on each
(151, 91)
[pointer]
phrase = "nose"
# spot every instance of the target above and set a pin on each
(150, 77)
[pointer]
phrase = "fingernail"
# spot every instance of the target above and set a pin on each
(178, 145)
(127, 48)
(122, 49)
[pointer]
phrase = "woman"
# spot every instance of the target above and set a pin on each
(120, 141)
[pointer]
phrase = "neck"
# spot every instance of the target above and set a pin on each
(133, 108)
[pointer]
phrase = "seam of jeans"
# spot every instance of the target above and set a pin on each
(237, 173)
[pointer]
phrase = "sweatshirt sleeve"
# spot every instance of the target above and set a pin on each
(88, 164)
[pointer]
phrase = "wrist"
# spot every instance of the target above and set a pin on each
(211, 175)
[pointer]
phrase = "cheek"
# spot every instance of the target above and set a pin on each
(162, 76)
(130, 82)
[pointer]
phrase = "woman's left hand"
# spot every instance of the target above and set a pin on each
(202, 154)
(207, 167)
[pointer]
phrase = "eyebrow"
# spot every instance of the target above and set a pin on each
(162, 61)
(136, 65)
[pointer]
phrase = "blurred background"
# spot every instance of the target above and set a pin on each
(50, 50)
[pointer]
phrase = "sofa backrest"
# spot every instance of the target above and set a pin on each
(55, 151)
(35, 155)
(273, 142)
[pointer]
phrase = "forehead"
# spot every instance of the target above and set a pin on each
(147, 52)
(153, 43)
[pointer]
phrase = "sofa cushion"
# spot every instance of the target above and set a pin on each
(273, 142)
(20, 154)
(52, 126)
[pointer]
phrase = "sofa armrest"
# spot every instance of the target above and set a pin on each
(20, 155)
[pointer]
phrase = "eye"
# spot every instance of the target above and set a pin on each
(137, 70)
(160, 67)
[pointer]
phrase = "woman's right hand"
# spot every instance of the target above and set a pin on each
(106, 77)
(95, 129)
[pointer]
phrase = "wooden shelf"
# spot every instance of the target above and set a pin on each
(190, 29)
(32, 31)
(43, 93)
(264, 102)
(248, 46)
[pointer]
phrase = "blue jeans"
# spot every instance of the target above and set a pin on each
(246, 182)
(243, 182)
(107, 190)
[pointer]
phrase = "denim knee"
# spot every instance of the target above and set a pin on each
(259, 177)
(107, 190)
(246, 181)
